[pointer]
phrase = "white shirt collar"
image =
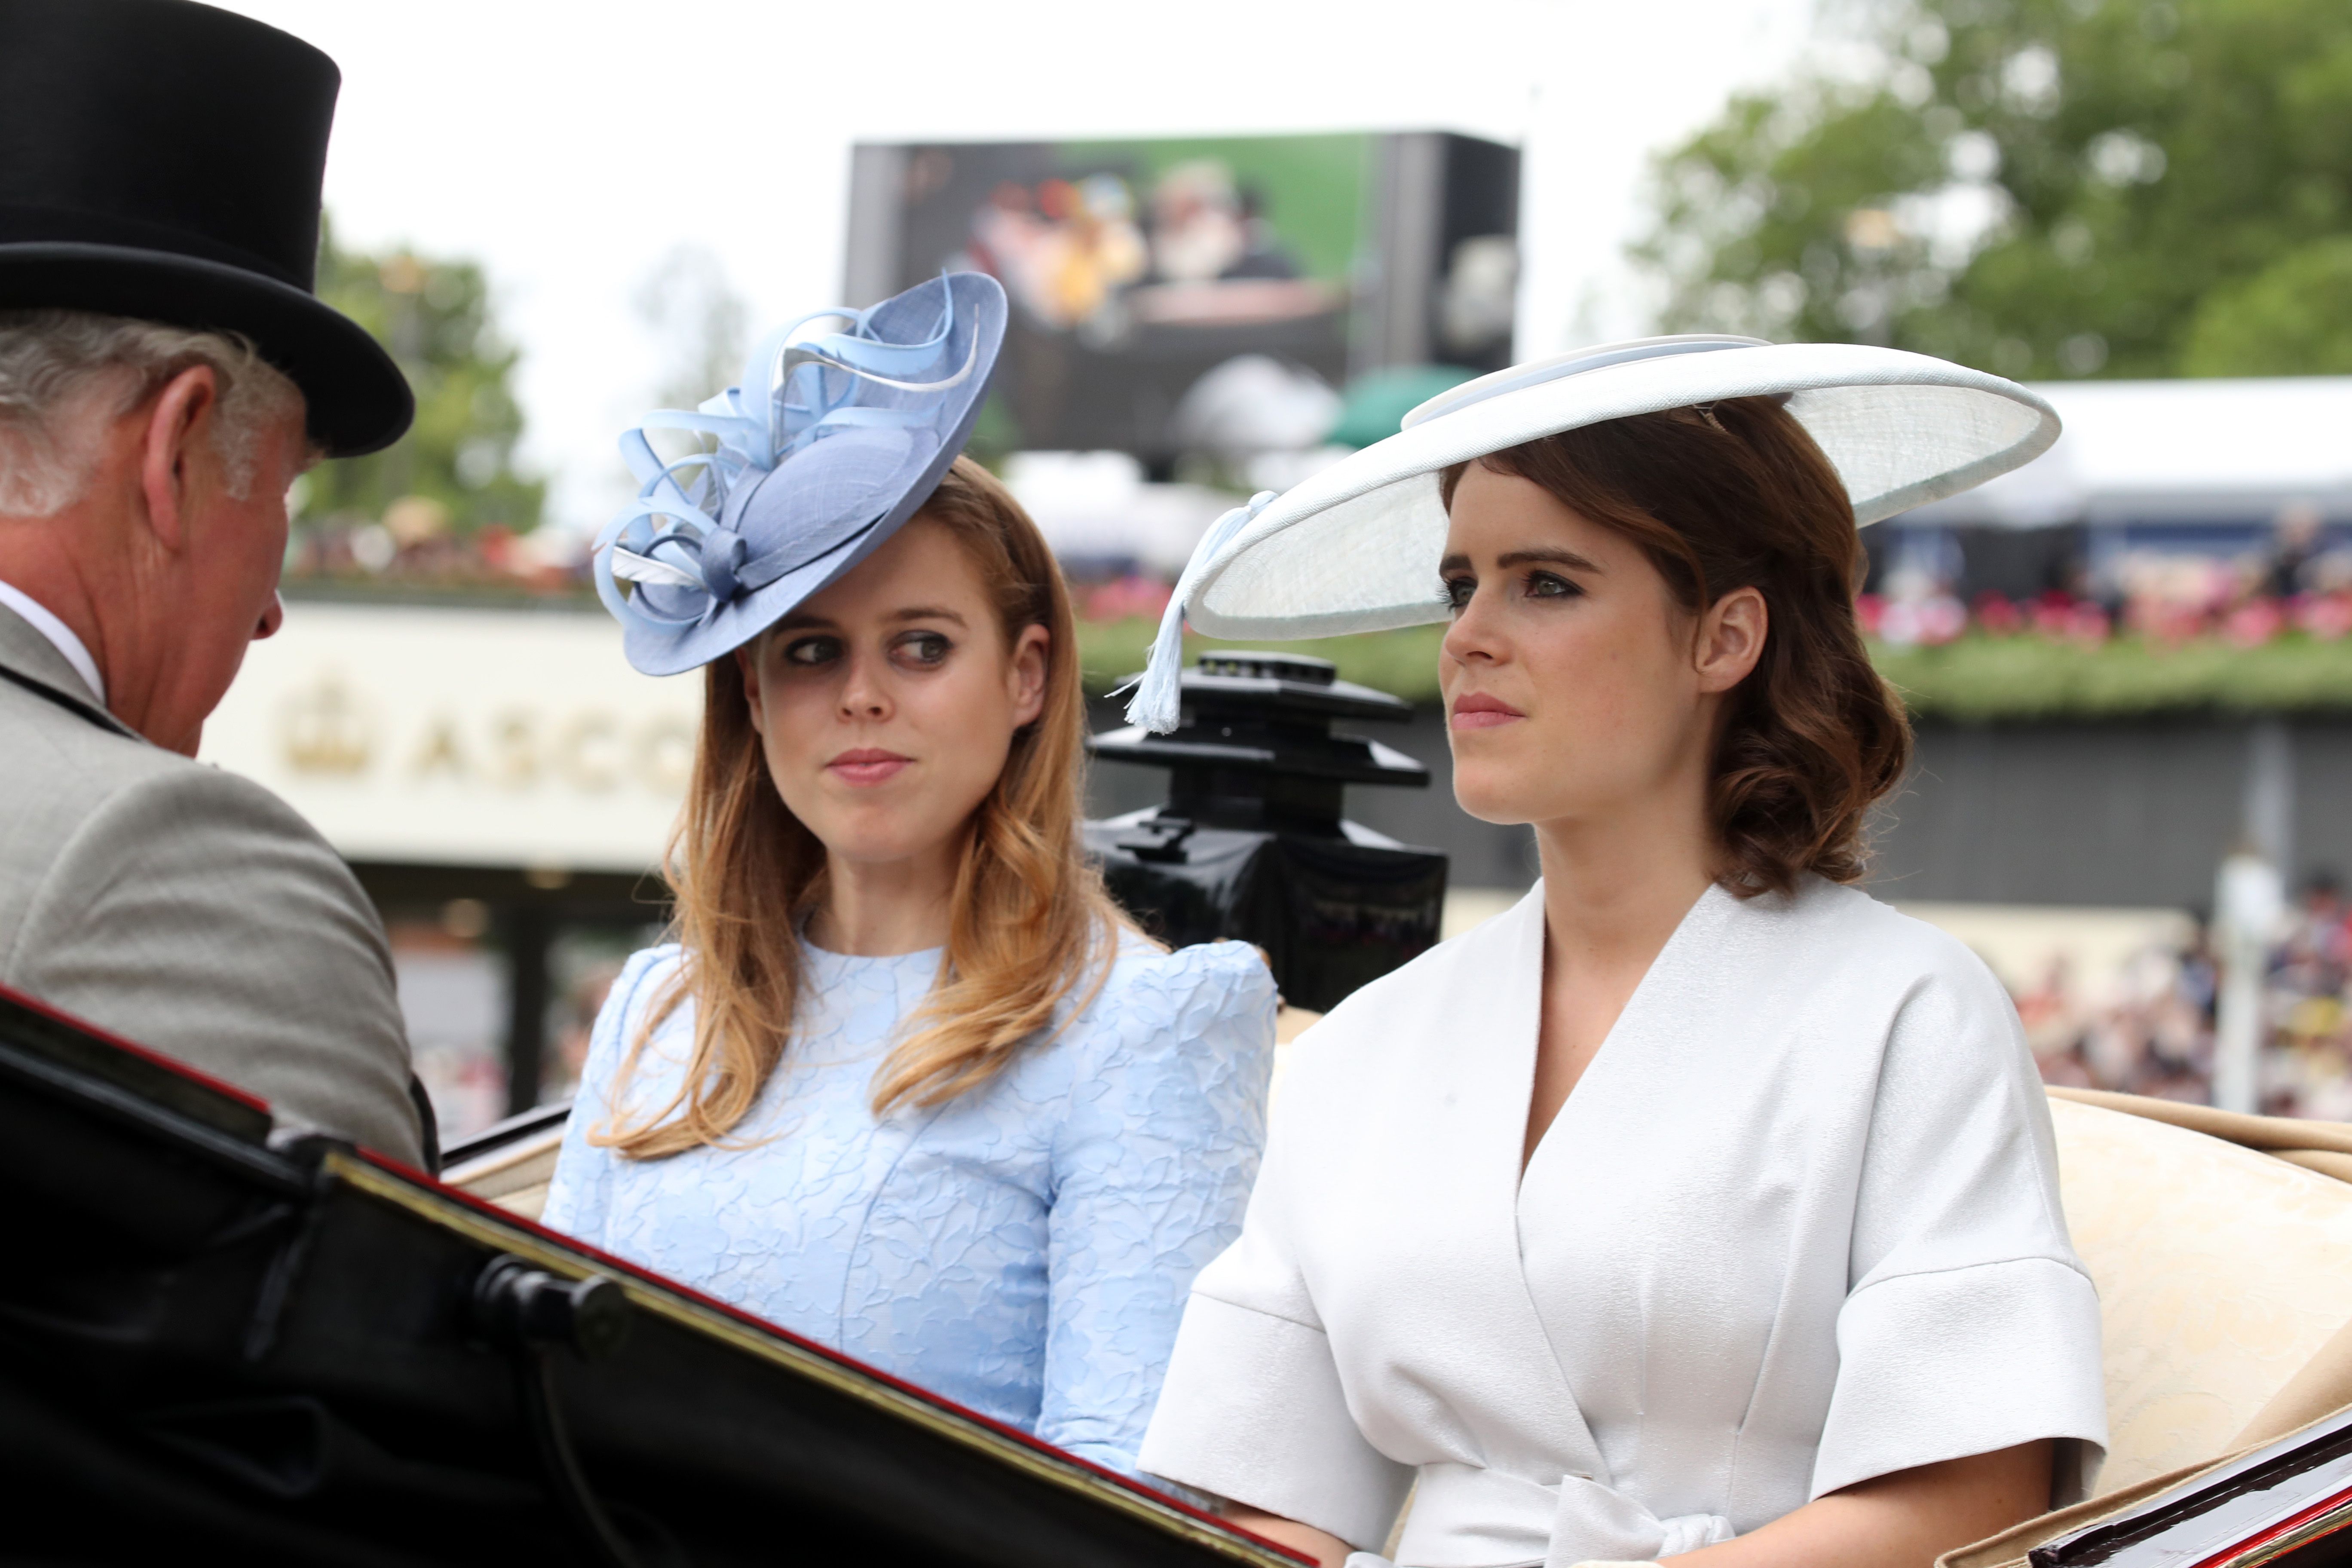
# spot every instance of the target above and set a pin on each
(60, 636)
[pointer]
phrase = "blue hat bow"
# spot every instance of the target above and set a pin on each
(840, 418)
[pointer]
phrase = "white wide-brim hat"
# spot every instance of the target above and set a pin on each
(1356, 548)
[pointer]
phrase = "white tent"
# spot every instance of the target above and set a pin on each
(2213, 451)
(1095, 506)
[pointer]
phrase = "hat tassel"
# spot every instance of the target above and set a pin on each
(1159, 690)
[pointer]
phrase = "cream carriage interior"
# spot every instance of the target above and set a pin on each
(2219, 1244)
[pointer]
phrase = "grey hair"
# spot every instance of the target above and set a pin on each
(64, 373)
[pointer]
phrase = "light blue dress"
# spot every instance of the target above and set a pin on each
(1024, 1249)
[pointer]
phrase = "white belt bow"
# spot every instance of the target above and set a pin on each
(1599, 1527)
(1595, 1523)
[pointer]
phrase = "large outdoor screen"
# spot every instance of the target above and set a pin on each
(1137, 267)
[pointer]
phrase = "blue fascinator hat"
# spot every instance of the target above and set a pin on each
(823, 451)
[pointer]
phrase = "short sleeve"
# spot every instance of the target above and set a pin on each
(578, 1193)
(1970, 1325)
(1253, 1408)
(1152, 1168)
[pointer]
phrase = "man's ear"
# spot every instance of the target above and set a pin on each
(176, 457)
(1029, 661)
(1731, 639)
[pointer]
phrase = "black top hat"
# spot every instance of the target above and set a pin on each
(161, 158)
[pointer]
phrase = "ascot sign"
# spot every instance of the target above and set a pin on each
(460, 736)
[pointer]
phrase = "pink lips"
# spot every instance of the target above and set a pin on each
(868, 765)
(1478, 712)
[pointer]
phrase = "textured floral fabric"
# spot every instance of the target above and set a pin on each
(1024, 1249)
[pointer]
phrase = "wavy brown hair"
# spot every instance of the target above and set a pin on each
(1730, 495)
(1030, 925)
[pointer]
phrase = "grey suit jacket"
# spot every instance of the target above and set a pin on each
(192, 911)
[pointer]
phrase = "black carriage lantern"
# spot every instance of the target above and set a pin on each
(1253, 843)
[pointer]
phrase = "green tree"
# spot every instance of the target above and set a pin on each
(2038, 187)
(435, 317)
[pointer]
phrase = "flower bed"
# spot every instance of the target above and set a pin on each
(2047, 661)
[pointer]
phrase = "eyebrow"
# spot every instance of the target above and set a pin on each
(1552, 557)
(912, 613)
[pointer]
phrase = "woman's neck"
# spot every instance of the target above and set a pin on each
(1615, 887)
(879, 908)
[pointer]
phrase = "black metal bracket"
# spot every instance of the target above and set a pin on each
(1162, 841)
(529, 1313)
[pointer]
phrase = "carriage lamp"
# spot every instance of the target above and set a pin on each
(1253, 843)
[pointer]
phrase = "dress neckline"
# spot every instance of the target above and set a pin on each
(1695, 918)
(826, 955)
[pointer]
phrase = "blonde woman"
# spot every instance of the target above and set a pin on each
(905, 1083)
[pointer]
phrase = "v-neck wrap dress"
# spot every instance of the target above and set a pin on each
(1796, 1226)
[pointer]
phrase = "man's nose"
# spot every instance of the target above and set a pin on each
(271, 618)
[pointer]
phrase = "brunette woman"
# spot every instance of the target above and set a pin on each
(1701, 1208)
(905, 1083)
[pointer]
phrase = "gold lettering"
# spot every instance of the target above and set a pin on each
(584, 753)
(516, 749)
(666, 756)
(442, 749)
(324, 729)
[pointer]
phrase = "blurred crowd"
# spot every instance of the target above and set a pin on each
(454, 993)
(415, 545)
(2150, 1028)
(2146, 1029)
(2299, 582)
(2307, 1010)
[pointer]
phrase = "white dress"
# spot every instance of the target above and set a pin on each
(1798, 1226)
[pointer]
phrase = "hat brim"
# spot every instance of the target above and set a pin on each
(1357, 547)
(657, 650)
(358, 400)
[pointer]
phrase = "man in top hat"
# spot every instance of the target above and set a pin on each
(165, 374)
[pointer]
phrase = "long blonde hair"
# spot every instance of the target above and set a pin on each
(1030, 922)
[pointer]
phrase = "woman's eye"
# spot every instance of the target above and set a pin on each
(809, 652)
(1457, 592)
(923, 648)
(1549, 586)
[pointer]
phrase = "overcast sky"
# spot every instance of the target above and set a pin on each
(569, 147)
